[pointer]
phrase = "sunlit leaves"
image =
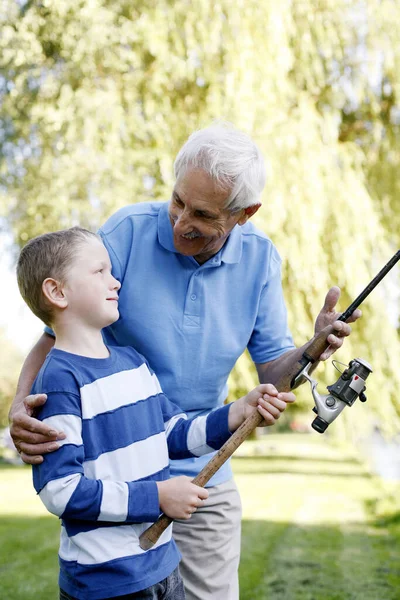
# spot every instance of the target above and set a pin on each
(97, 97)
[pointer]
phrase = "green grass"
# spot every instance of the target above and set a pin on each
(316, 526)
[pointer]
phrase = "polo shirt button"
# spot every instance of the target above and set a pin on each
(193, 297)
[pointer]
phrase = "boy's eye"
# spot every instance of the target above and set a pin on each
(100, 271)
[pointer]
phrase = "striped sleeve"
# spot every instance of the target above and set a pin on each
(188, 438)
(65, 490)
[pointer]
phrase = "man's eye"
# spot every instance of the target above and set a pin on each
(178, 201)
(100, 271)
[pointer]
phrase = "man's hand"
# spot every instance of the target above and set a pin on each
(266, 399)
(31, 437)
(179, 498)
(328, 316)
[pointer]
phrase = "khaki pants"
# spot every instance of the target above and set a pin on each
(210, 546)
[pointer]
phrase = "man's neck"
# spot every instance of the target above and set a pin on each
(82, 341)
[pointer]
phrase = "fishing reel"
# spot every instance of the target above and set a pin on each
(344, 392)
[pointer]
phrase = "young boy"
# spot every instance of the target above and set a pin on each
(110, 479)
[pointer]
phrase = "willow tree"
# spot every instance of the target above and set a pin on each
(10, 365)
(97, 97)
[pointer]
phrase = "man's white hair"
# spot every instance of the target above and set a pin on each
(231, 158)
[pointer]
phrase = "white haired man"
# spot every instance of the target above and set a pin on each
(200, 285)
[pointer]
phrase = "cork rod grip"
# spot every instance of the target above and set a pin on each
(153, 533)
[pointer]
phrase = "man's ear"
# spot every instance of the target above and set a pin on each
(54, 293)
(247, 213)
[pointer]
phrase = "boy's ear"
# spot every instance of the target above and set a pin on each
(247, 213)
(54, 293)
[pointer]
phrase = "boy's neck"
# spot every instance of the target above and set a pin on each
(83, 341)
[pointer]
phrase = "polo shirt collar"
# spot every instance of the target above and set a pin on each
(230, 253)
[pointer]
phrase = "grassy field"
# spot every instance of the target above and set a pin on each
(316, 526)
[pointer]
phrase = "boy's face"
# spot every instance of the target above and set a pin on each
(90, 289)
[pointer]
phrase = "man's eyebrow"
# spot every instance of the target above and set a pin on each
(204, 211)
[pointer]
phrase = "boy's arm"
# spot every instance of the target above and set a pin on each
(31, 437)
(204, 434)
(65, 490)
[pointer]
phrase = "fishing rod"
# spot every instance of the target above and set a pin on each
(346, 390)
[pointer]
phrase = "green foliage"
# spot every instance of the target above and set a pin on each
(10, 366)
(97, 97)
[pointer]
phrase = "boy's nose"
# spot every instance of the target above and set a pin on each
(116, 284)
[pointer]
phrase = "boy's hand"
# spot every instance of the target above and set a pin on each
(179, 497)
(266, 399)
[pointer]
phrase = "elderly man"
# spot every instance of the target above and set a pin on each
(200, 284)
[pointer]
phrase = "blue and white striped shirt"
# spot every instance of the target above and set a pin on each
(121, 431)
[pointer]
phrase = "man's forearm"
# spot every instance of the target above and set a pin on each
(30, 369)
(274, 371)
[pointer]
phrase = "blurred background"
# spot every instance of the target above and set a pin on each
(96, 98)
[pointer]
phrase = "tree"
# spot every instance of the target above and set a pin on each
(10, 366)
(97, 97)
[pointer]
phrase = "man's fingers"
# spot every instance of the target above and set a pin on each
(28, 437)
(36, 449)
(31, 460)
(31, 454)
(331, 299)
(23, 426)
(354, 316)
(341, 329)
(327, 353)
(35, 400)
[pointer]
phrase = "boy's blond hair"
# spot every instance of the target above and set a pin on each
(47, 255)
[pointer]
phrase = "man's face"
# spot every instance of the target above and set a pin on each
(199, 220)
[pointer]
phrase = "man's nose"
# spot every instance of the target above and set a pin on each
(182, 222)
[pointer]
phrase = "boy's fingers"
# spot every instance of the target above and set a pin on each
(287, 396)
(266, 401)
(202, 493)
(273, 410)
(269, 419)
(268, 388)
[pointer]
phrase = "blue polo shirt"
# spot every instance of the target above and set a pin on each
(191, 321)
